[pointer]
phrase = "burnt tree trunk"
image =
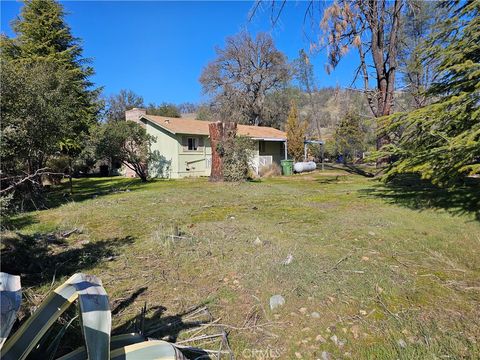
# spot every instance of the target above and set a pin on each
(219, 132)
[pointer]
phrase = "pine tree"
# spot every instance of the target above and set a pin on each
(44, 43)
(441, 141)
(417, 24)
(349, 137)
(295, 133)
(43, 34)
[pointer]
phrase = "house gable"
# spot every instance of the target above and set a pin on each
(185, 144)
(166, 144)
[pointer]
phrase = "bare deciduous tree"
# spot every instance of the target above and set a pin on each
(242, 75)
(372, 28)
(304, 74)
(118, 103)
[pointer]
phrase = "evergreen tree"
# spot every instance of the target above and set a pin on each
(45, 45)
(164, 109)
(349, 137)
(441, 141)
(295, 134)
(43, 34)
(35, 98)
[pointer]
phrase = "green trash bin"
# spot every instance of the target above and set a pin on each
(287, 167)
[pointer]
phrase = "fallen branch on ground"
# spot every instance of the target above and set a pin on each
(30, 178)
(382, 304)
(337, 263)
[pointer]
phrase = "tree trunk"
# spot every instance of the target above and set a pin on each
(219, 132)
(110, 168)
(70, 170)
(384, 56)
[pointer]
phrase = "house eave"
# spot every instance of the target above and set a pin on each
(268, 139)
(145, 117)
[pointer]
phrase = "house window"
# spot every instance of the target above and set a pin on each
(192, 143)
(261, 146)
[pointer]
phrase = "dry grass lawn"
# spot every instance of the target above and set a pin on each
(377, 272)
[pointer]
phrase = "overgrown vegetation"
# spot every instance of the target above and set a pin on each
(368, 270)
(237, 157)
(48, 102)
(385, 263)
(128, 143)
(270, 170)
(295, 129)
(350, 139)
(441, 141)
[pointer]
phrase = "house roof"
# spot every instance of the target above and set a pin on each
(198, 127)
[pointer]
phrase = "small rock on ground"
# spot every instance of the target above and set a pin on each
(355, 329)
(257, 241)
(320, 338)
(288, 260)
(326, 355)
(402, 343)
(315, 315)
(276, 301)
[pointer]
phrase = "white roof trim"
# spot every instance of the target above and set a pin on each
(268, 139)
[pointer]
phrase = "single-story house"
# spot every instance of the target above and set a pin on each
(183, 145)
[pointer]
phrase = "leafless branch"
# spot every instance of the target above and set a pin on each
(32, 178)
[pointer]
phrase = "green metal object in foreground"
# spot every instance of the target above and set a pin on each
(287, 167)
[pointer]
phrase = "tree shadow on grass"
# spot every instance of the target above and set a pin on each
(412, 192)
(90, 188)
(331, 180)
(351, 169)
(83, 189)
(121, 304)
(18, 222)
(153, 323)
(40, 258)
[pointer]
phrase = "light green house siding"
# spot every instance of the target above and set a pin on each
(175, 158)
(193, 162)
(165, 145)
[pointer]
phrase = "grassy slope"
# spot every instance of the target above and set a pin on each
(377, 272)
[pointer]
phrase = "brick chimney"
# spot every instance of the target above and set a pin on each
(134, 114)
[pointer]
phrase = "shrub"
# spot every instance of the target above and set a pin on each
(237, 155)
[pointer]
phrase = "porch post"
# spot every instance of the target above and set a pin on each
(323, 152)
(286, 145)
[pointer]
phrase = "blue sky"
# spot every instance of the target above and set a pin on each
(158, 49)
